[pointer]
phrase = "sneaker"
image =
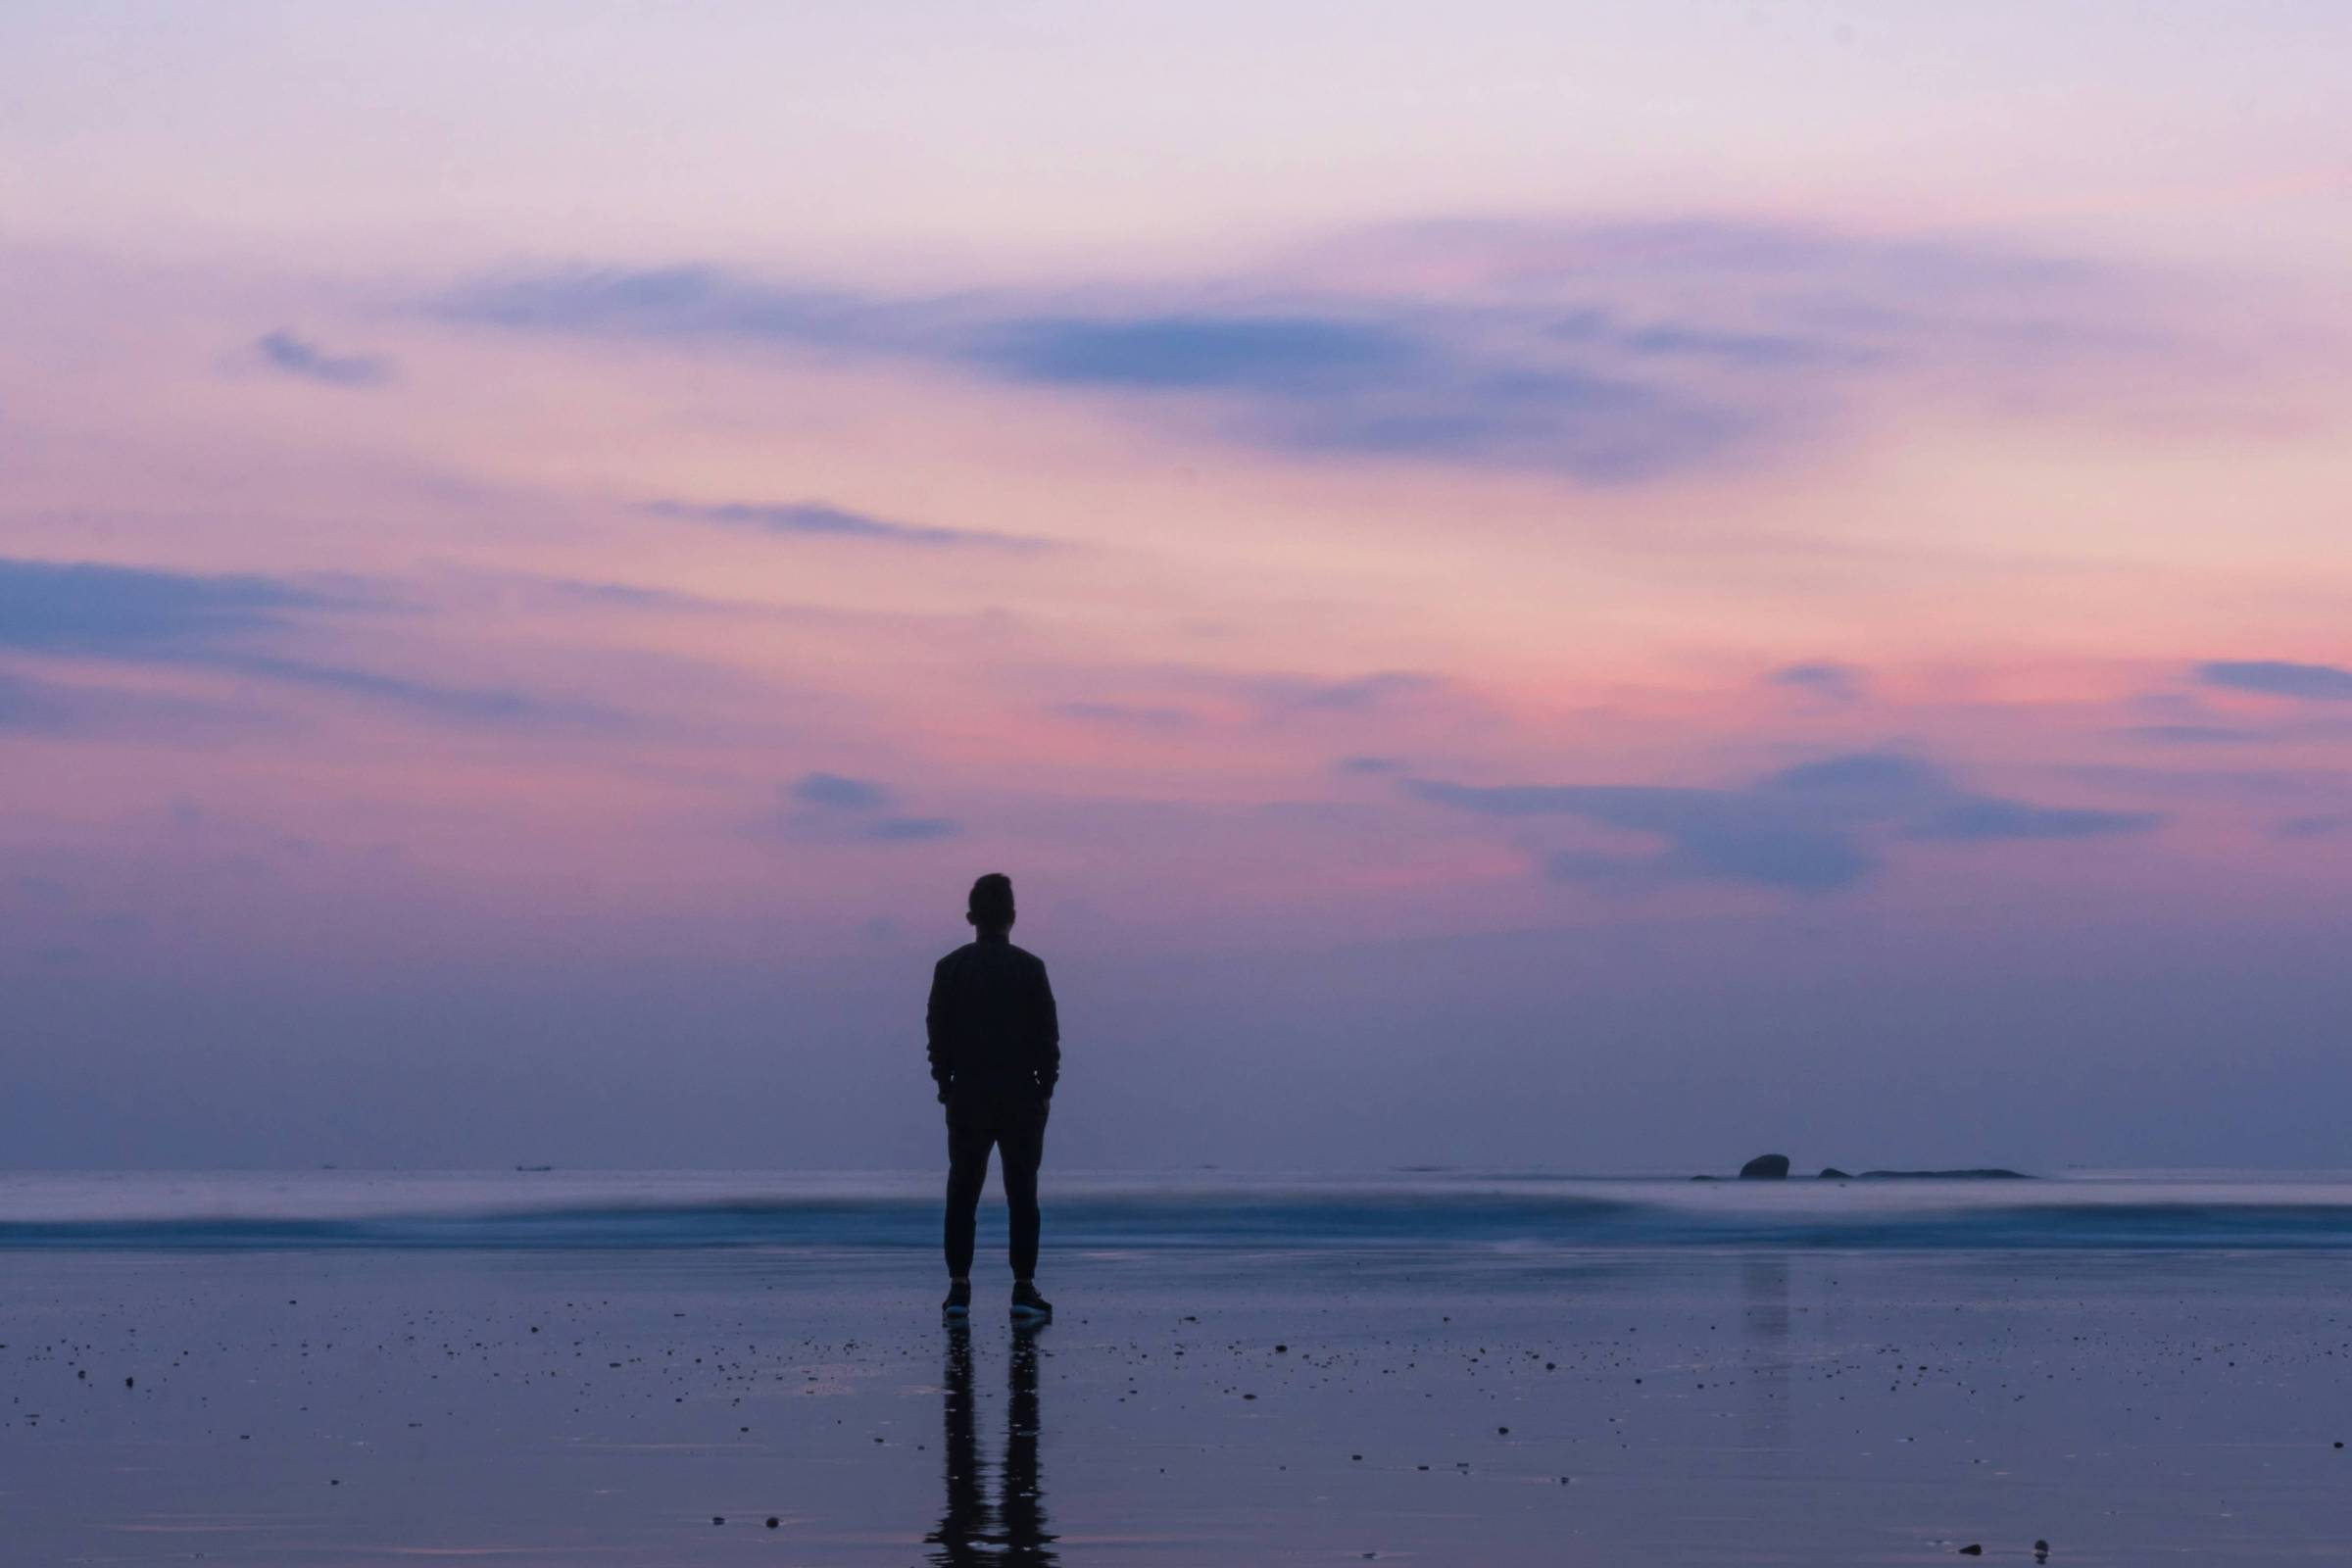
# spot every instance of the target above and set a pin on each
(960, 1300)
(1026, 1302)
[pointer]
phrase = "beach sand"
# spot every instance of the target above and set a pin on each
(1188, 1407)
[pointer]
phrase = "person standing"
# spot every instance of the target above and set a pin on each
(996, 1056)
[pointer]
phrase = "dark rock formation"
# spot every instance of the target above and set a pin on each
(1765, 1168)
(1830, 1173)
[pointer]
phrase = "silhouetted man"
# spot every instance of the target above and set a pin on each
(996, 1055)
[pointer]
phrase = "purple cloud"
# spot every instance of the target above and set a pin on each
(835, 805)
(1813, 828)
(817, 520)
(299, 357)
(1821, 678)
(1613, 353)
(2278, 678)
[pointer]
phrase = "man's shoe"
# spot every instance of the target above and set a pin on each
(960, 1300)
(1026, 1302)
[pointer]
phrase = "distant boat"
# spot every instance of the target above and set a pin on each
(535, 1167)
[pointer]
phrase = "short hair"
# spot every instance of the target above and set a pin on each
(992, 899)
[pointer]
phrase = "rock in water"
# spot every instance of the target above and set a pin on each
(1765, 1168)
(1830, 1173)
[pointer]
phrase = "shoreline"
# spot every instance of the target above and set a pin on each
(1734, 1405)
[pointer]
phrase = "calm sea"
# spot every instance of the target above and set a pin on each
(508, 1210)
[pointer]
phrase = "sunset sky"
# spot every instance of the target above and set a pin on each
(1576, 586)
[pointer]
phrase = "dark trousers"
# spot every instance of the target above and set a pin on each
(1019, 1135)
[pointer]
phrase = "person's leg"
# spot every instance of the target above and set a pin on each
(967, 1174)
(1021, 1145)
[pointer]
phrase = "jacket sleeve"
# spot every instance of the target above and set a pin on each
(939, 1028)
(1049, 1036)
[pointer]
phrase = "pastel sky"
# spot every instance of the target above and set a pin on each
(1575, 586)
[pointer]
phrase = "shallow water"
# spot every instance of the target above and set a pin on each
(699, 1210)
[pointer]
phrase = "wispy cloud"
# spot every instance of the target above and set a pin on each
(469, 705)
(1822, 679)
(2278, 678)
(837, 807)
(1615, 353)
(79, 607)
(1271, 353)
(1354, 693)
(30, 705)
(2240, 786)
(1813, 828)
(820, 520)
(230, 625)
(837, 793)
(299, 357)
(1974, 820)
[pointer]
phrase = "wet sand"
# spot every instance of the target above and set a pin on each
(1187, 1407)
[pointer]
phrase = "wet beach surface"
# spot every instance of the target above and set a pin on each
(1495, 1406)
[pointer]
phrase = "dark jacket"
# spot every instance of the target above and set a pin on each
(996, 1042)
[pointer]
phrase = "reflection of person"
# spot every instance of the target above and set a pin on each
(996, 1055)
(1021, 1504)
(964, 1522)
(967, 1532)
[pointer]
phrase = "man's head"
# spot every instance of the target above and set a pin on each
(991, 908)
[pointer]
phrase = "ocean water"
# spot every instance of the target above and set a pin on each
(2190, 1211)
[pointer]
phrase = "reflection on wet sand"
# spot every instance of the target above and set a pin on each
(1764, 1322)
(1015, 1530)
